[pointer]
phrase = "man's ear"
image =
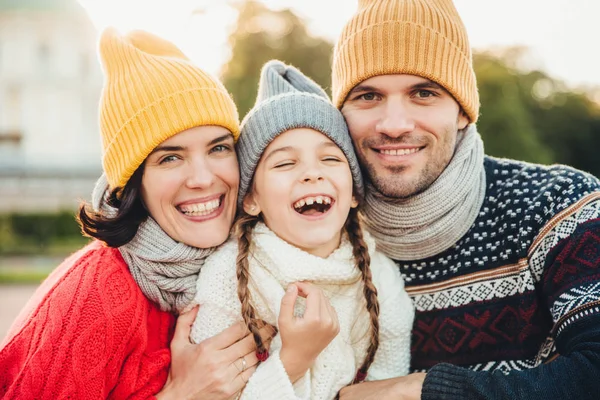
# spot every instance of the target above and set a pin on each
(463, 120)
(250, 205)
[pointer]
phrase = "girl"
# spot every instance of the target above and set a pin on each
(299, 235)
(102, 325)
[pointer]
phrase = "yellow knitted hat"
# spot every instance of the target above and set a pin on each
(152, 91)
(418, 37)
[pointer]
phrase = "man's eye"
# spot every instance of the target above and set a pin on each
(367, 96)
(424, 94)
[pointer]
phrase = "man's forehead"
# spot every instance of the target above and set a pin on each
(391, 81)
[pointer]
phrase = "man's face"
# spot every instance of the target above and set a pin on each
(404, 131)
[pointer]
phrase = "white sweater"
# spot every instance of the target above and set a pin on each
(274, 264)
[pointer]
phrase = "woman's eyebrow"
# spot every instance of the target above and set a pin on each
(220, 139)
(166, 148)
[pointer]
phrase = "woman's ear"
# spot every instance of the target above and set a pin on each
(354, 203)
(250, 205)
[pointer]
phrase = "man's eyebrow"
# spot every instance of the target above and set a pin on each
(421, 85)
(362, 88)
(427, 85)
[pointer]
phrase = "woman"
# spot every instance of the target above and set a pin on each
(103, 324)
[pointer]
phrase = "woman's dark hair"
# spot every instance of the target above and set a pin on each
(118, 229)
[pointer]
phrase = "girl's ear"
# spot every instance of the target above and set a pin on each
(354, 203)
(250, 205)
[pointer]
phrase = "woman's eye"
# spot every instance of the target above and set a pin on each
(168, 159)
(220, 148)
(335, 159)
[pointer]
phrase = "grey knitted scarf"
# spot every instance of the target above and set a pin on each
(434, 220)
(163, 268)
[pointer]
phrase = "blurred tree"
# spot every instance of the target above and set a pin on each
(262, 34)
(505, 124)
(530, 116)
(569, 122)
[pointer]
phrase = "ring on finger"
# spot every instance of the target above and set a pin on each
(244, 365)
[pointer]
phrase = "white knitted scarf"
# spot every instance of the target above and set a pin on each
(434, 220)
(165, 270)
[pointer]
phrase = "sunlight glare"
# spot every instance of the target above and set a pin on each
(198, 28)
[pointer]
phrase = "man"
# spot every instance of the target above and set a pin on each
(501, 258)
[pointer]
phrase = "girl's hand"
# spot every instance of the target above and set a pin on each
(213, 369)
(303, 338)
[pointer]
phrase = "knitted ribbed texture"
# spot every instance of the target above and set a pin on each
(418, 37)
(274, 264)
(165, 270)
(151, 92)
(87, 333)
(434, 220)
(287, 99)
(445, 382)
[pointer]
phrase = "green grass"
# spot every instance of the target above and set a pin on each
(22, 275)
(56, 247)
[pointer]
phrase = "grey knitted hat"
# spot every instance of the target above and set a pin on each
(286, 100)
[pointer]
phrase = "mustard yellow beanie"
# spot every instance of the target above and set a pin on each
(418, 37)
(152, 91)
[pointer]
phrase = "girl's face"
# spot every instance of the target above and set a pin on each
(303, 188)
(190, 185)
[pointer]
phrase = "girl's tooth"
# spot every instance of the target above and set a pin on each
(319, 200)
(310, 201)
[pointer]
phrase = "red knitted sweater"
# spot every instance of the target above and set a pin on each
(87, 333)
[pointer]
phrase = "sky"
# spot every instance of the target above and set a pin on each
(562, 34)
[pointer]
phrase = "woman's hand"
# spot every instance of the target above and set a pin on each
(304, 338)
(217, 368)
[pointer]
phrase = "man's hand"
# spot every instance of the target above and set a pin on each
(403, 388)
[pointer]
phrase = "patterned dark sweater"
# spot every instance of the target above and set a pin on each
(517, 300)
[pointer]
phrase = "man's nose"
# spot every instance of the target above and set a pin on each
(396, 120)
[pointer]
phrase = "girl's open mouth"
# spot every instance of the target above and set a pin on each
(313, 205)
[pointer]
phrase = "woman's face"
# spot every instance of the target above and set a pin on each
(190, 185)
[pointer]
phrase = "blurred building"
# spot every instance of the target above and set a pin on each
(50, 82)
